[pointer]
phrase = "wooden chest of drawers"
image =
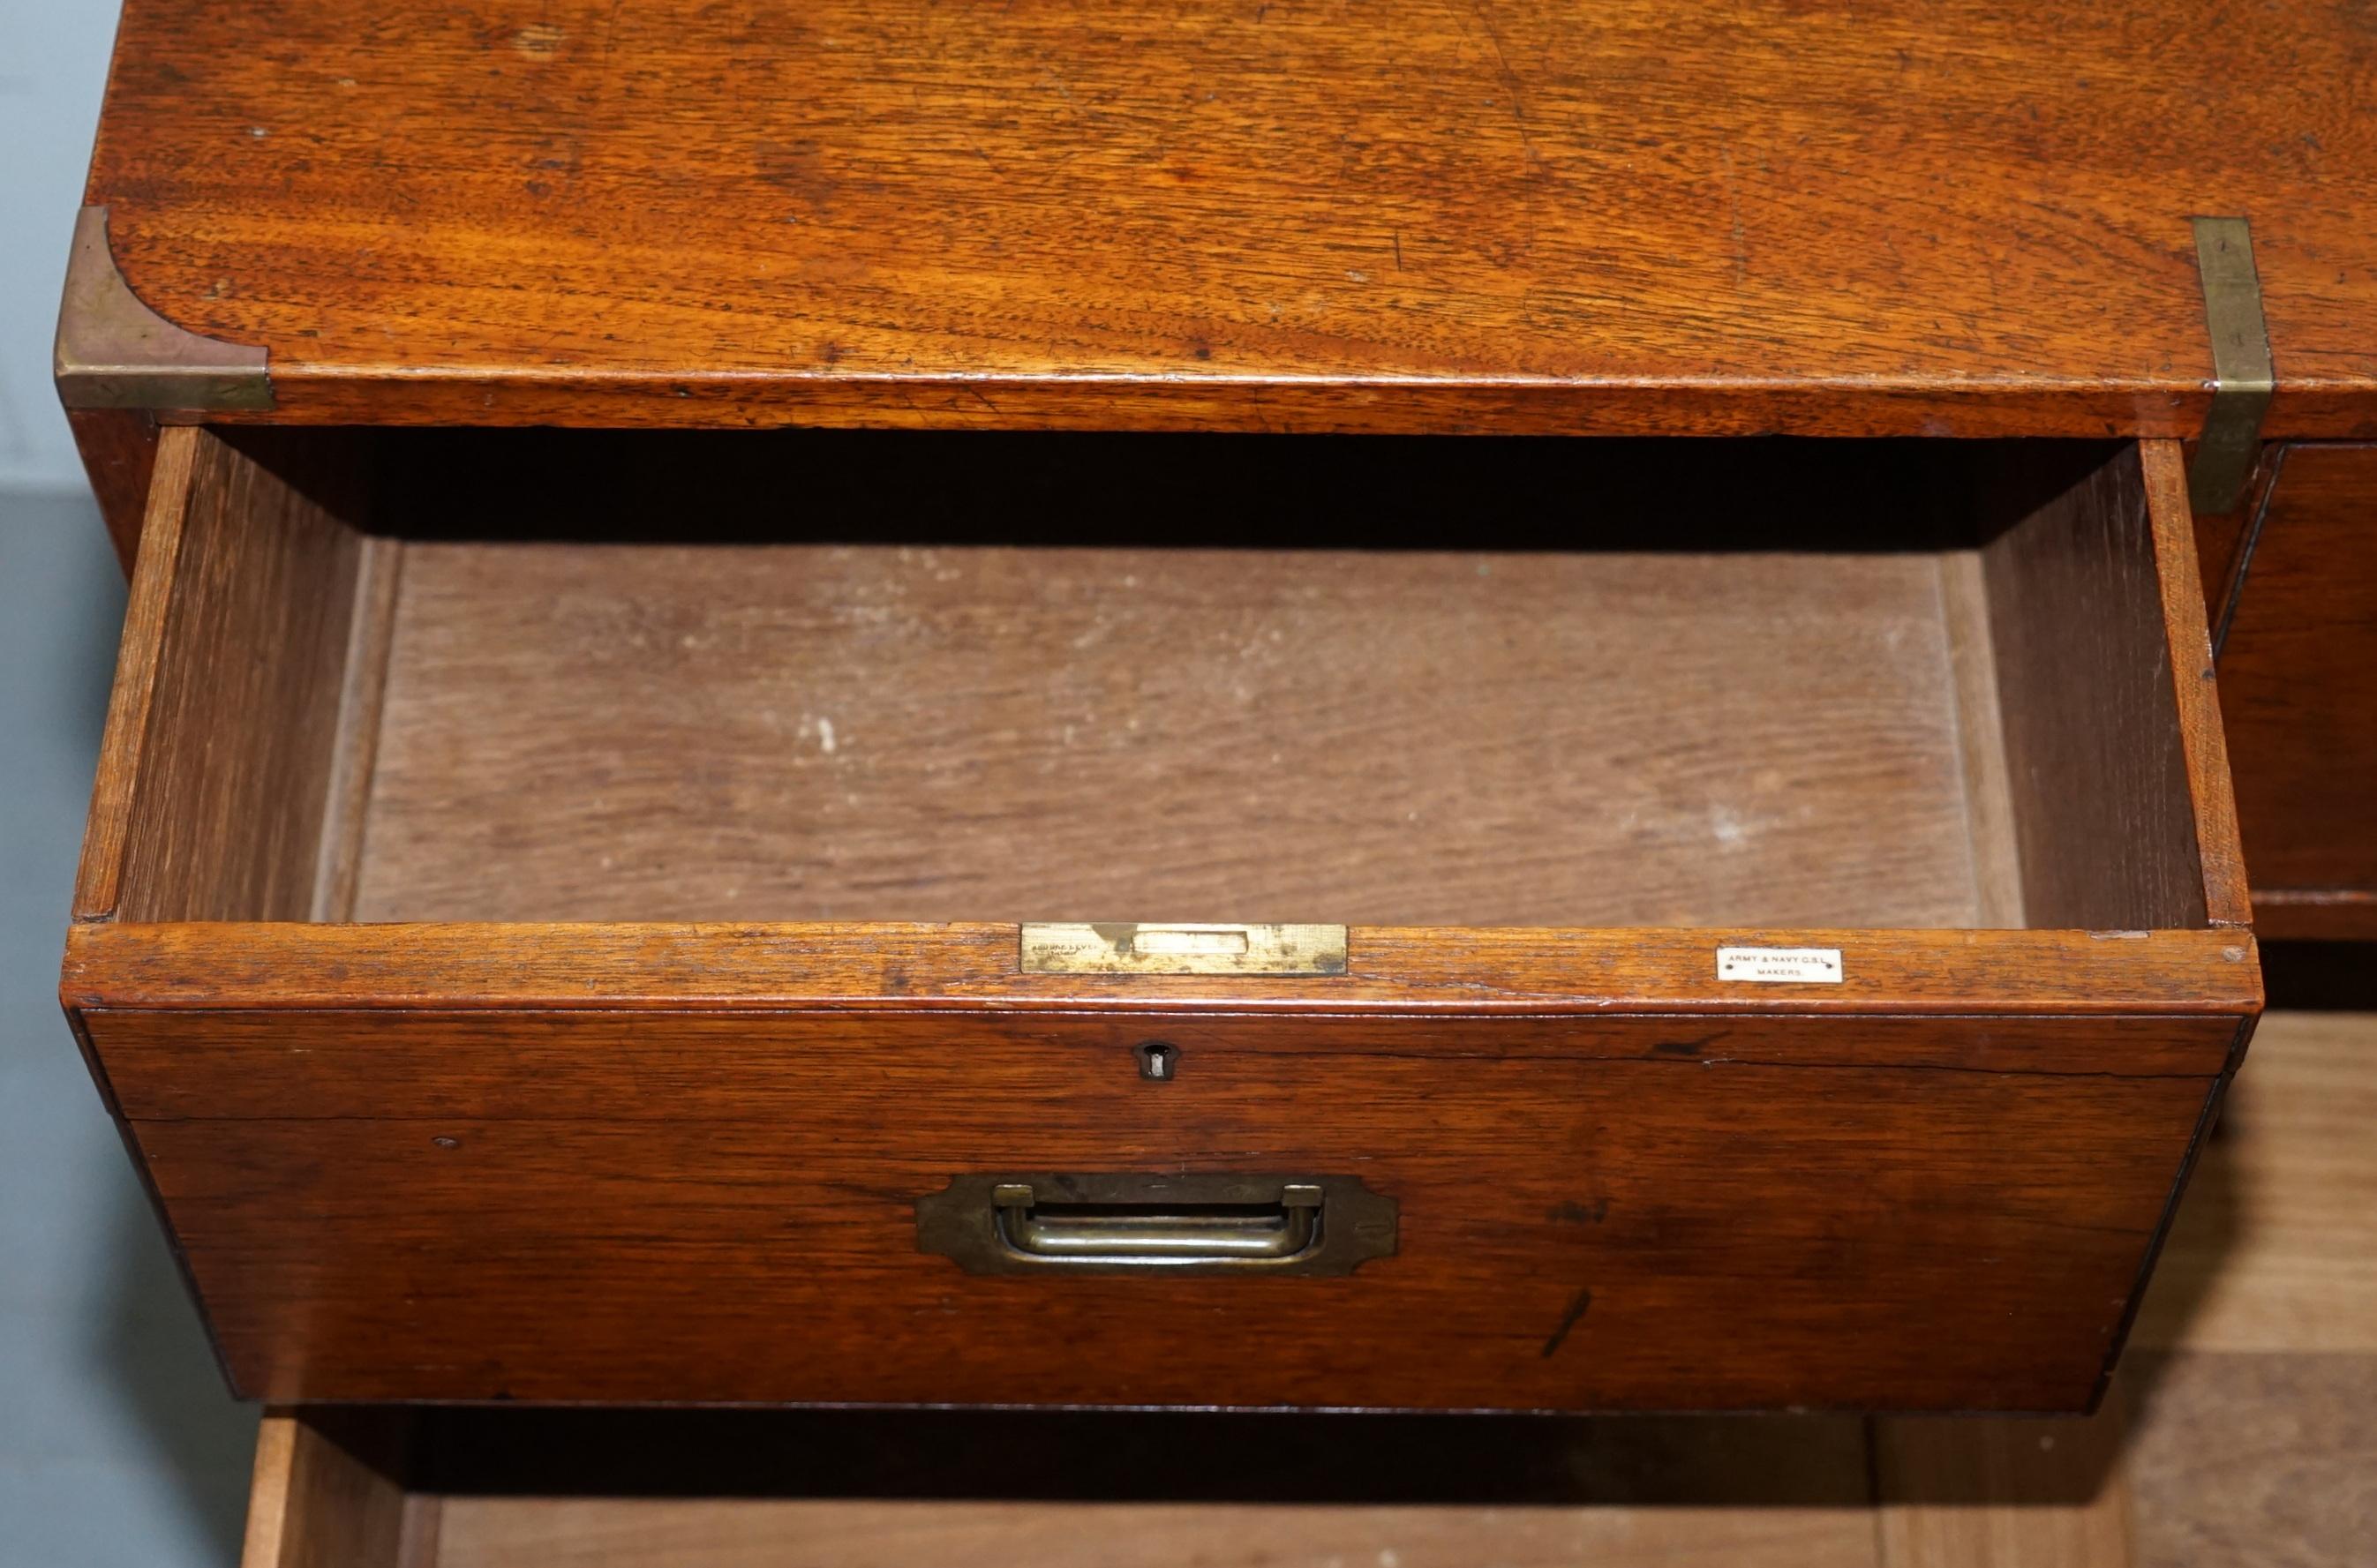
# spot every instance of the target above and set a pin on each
(670, 545)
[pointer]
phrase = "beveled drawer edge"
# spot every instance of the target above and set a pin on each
(2194, 685)
(886, 967)
(99, 878)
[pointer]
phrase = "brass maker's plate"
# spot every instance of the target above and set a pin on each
(1129, 948)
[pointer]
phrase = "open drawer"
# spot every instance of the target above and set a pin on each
(497, 1487)
(1768, 930)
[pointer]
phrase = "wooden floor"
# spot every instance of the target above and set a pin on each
(2241, 1431)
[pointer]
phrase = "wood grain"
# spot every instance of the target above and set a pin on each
(2256, 1461)
(467, 1158)
(1907, 219)
(2189, 658)
(1980, 723)
(2253, 1368)
(611, 1066)
(354, 747)
(2328, 915)
(2276, 1248)
(119, 456)
(2220, 540)
(632, 1532)
(214, 773)
(2253, 1454)
(1574, 1231)
(2002, 1493)
(316, 1504)
(99, 879)
(238, 1116)
(2096, 750)
(2296, 671)
(853, 732)
(1427, 969)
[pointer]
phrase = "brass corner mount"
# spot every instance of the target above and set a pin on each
(114, 352)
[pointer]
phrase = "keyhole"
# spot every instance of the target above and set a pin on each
(1158, 1060)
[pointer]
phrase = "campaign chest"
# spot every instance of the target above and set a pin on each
(1187, 705)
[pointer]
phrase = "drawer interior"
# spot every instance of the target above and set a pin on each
(793, 676)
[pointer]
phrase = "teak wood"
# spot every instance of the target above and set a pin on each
(501, 1150)
(2299, 665)
(1641, 217)
(119, 453)
(889, 732)
(2239, 1433)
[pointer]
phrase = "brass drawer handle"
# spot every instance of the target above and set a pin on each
(1131, 1223)
(1160, 1232)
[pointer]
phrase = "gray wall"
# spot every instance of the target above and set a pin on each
(53, 65)
(118, 1446)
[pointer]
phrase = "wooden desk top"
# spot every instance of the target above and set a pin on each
(1942, 217)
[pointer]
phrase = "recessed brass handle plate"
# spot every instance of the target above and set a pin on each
(1140, 948)
(1128, 1223)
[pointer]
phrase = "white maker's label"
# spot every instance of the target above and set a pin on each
(1780, 966)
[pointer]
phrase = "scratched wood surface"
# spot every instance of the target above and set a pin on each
(2239, 1435)
(838, 732)
(1109, 674)
(1906, 217)
(1574, 1231)
(389, 1152)
(1441, 971)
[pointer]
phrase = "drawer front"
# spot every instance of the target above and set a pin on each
(2299, 681)
(1933, 1212)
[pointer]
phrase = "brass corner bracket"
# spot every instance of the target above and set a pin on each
(2243, 378)
(114, 352)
